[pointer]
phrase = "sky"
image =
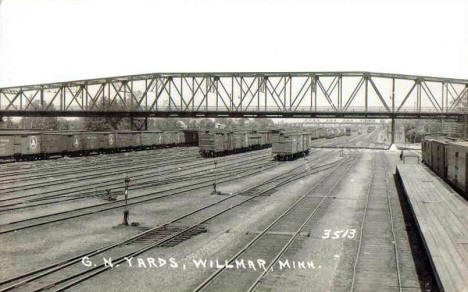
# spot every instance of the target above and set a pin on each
(50, 40)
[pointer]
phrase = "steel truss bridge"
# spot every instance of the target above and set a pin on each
(264, 94)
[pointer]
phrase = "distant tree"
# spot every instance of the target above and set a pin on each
(7, 123)
(110, 122)
(206, 124)
(40, 123)
(262, 124)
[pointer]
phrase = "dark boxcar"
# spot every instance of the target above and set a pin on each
(457, 163)
(348, 131)
(191, 137)
(426, 148)
(439, 157)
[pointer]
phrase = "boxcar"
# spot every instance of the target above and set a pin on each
(254, 140)
(240, 141)
(457, 163)
(20, 145)
(313, 133)
(190, 137)
(151, 139)
(127, 140)
(72, 142)
(53, 143)
(265, 138)
(106, 142)
(426, 148)
(207, 143)
(170, 138)
(321, 133)
(7, 145)
(287, 145)
(89, 142)
(215, 143)
(439, 157)
(180, 138)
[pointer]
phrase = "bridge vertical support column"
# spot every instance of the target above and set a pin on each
(464, 126)
(393, 111)
(146, 123)
(366, 91)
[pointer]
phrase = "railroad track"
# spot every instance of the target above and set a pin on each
(123, 170)
(392, 224)
(363, 141)
(370, 223)
(228, 169)
(134, 200)
(75, 273)
(92, 166)
(34, 168)
(90, 189)
(86, 174)
(298, 214)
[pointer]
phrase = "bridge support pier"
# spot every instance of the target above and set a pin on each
(393, 131)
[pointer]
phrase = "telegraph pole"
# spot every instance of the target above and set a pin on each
(216, 177)
(126, 212)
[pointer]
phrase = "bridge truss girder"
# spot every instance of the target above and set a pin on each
(285, 95)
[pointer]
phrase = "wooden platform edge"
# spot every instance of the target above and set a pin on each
(433, 266)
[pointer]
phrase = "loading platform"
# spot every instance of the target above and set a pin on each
(441, 215)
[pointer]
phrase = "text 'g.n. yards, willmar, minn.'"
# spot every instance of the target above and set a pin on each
(173, 263)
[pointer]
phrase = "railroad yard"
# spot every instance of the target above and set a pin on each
(233, 146)
(331, 220)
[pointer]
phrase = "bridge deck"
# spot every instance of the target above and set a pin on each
(441, 216)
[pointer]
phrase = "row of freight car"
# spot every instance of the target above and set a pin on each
(286, 144)
(449, 160)
(30, 145)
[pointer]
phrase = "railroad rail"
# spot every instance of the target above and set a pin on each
(310, 211)
(134, 200)
(261, 188)
(100, 190)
